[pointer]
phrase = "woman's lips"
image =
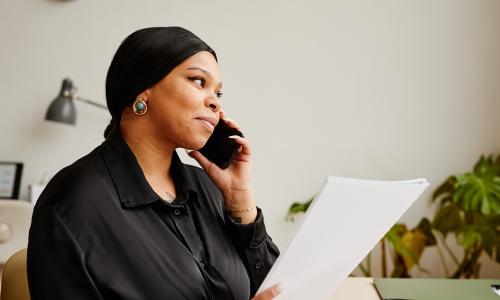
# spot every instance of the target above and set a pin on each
(208, 122)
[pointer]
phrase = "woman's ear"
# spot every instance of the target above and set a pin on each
(146, 94)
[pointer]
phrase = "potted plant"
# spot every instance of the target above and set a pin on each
(468, 209)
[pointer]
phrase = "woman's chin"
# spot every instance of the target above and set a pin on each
(197, 144)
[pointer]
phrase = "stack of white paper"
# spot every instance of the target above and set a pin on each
(344, 222)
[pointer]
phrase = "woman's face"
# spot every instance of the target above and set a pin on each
(184, 106)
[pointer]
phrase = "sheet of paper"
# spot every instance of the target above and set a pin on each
(344, 222)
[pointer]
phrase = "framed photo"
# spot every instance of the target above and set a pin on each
(10, 179)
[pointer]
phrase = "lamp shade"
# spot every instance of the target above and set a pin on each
(62, 109)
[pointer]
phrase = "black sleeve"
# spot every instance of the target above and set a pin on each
(255, 247)
(56, 264)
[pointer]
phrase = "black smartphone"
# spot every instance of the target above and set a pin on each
(220, 149)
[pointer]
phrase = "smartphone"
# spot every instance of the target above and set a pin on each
(220, 149)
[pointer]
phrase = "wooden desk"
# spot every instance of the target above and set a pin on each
(359, 288)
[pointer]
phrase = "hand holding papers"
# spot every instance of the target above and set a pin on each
(344, 222)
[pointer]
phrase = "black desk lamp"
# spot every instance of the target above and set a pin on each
(62, 109)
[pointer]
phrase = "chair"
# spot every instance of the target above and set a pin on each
(15, 220)
(15, 278)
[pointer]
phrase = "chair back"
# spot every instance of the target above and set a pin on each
(15, 221)
(15, 278)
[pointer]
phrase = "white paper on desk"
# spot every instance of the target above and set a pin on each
(343, 223)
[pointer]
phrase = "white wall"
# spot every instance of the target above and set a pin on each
(384, 89)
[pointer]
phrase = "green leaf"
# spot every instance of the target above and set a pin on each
(469, 237)
(298, 207)
(445, 190)
(425, 227)
(489, 228)
(415, 242)
(448, 219)
(408, 245)
(479, 191)
(395, 237)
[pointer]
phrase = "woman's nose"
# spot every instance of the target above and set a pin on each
(213, 103)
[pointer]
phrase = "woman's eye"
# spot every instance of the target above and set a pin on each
(198, 80)
(219, 94)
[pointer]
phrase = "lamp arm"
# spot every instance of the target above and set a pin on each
(91, 102)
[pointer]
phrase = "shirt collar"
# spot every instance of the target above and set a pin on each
(129, 180)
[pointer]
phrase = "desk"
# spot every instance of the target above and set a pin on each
(361, 288)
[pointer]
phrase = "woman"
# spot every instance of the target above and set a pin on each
(129, 220)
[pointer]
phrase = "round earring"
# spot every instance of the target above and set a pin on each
(140, 106)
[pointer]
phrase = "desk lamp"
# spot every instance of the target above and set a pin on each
(62, 109)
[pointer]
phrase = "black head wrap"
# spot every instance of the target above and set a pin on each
(144, 58)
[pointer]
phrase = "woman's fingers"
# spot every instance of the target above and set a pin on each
(222, 114)
(245, 145)
(243, 154)
(231, 123)
(202, 160)
(270, 293)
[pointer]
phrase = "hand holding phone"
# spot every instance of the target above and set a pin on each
(220, 149)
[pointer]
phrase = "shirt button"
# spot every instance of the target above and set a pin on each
(202, 265)
(258, 265)
(177, 212)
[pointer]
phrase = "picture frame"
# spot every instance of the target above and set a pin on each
(10, 179)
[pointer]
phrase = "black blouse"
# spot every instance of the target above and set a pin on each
(99, 231)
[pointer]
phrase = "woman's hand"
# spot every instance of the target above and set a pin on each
(270, 293)
(235, 181)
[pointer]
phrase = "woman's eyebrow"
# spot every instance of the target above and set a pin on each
(206, 72)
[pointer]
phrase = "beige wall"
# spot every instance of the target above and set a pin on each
(375, 89)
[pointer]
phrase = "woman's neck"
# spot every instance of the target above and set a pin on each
(153, 157)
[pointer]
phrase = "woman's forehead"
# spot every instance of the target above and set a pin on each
(204, 60)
